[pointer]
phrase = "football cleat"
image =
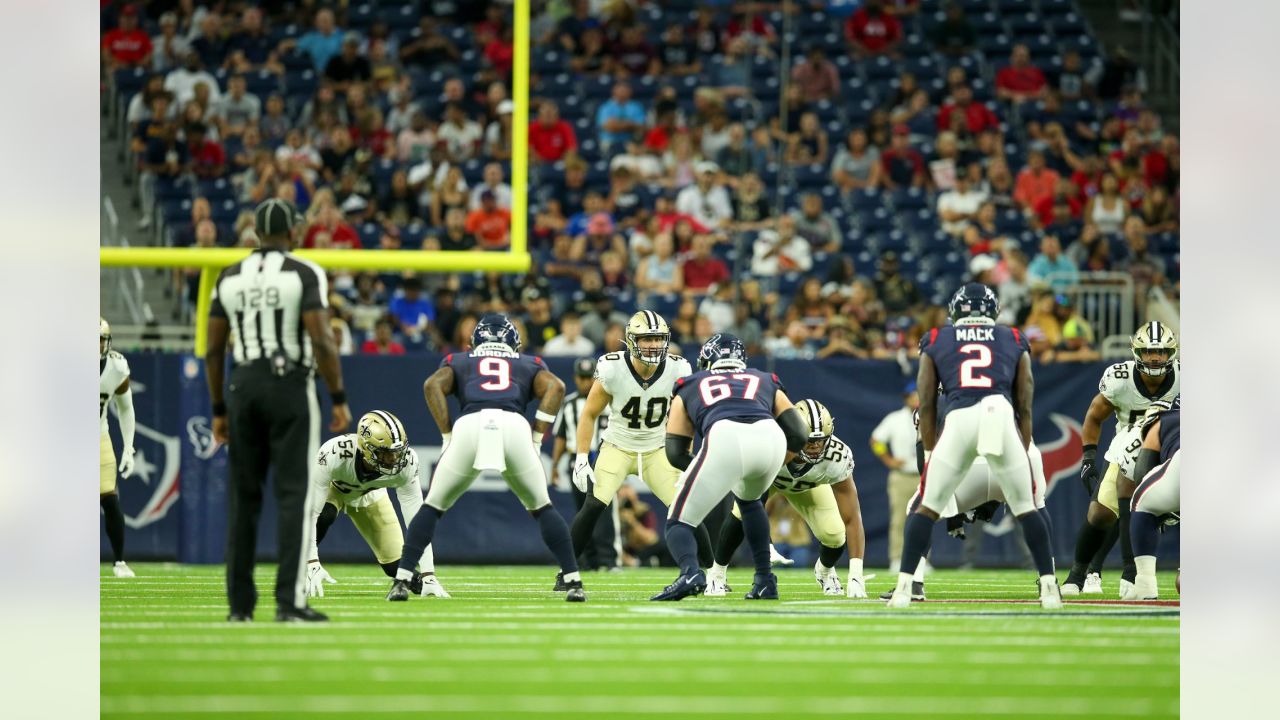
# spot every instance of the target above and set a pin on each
(296, 614)
(717, 585)
(917, 592)
(1127, 591)
(899, 598)
(240, 617)
(429, 586)
(763, 588)
(575, 593)
(1050, 596)
(683, 587)
(122, 571)
(561, 585)
(777, 558)
(827, 580)
(1069, 589)
(1145, 588)
(1092, 584)
(399, 591)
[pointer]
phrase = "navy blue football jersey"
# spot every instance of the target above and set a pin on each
(745, 395)
(974, 361)
(1170, 433)
(493, 380)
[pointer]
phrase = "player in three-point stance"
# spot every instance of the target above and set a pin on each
(352, 475)
(1126, 390)
(1159, 465)
(748, 429)
(113, 387)
(635, 387)
(818, 483)
(985, 373)
(493, 383)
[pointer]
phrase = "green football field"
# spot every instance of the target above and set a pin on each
(506, 646)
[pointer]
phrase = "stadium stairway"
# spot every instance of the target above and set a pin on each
(1112, 32)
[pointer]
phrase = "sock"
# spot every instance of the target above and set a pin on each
(915, 542)
(113, 518)
(390, 568)
(421, 529)
(574, 576)
(683, 546)
(1089, 540)
(1146, 564)
(755, 525)
(1048, 524)
(719, 569)
(555, 533)
(829, 556)
(705, 555)
(918, 575)
(730, 538)
(1143, 526)
(328, 514)
(584, 523)
(1037, 536)
(1099, 557)
(1126, 541)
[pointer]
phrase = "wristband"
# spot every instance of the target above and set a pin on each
(855, 568)
(927, 454)
(220, 409)
(339, 397)
(1090, 451)
(544, 417)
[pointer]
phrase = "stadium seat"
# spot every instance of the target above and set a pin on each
(411, 236)
(910, 199)
(1066, 25)
(987, 24)
(216, 190)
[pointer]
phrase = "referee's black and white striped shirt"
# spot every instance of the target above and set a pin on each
(263, 298)
(566, 424)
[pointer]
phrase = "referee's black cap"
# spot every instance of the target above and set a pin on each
(584, 367)
(275, 217)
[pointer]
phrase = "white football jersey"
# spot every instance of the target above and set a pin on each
(336, 468)
(1122, 388)
(638, 412)
(115, 370)
(835, 466)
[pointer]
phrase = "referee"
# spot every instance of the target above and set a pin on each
(605, 550)
(270, 416)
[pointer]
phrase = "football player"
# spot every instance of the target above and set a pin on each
(1159, 465)
(818, 483)
(113, 389)
(1126, 390)
(352, 475)
(636, 387)
(749, 428)
(985, 372)
(493, 383)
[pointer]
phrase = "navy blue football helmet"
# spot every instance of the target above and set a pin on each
(496, 328)
(720, 347)
(974, 300)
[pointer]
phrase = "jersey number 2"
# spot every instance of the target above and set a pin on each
(498, 369)
(714, 388)
(981, 359)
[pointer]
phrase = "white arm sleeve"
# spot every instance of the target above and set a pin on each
(124, 410)
(320, 488)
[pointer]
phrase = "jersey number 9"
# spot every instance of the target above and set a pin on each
(498, 369)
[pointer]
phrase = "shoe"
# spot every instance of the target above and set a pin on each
(763, 588)
(399, 591)
(303, 614)
(429, 586)
(777, 558)
(1050, 595)
(683, 587)
(717, 585)
(240, 617)
(1092, 584)
(899, 598)
(917, 592)
(827, 580)
(574, 593)
(561, 585)
(122, 571)
(1069, 589)
(1126, 590)
(1145, 588)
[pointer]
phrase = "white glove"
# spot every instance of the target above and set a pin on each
(537, 442)
(855, 587)
(126, 462)
(445, 438)
(583, 475)
(317, 576)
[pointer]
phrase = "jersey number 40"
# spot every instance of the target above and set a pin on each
(655, 412)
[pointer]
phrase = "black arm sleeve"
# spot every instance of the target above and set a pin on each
(796, 429)
(920, 456)
(1147, 459)
(678, 451)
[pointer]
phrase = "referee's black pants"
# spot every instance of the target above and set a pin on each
(602, 551)
(275, 423)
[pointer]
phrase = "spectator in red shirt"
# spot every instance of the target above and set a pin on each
(1035, 183)
(127, 45)
(634, 54)
(500, 52)
(208, 159)
(1064, 193)
(759, 32)
(978, 117)
(872, 31)
(1161, 164)
(490, 224)
(382, 343)
(550, 137)
(903, 166)
(1020, 80)
(817, 76)
(700, 269)
(341, 235)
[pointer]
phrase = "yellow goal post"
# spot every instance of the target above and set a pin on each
(515, 260)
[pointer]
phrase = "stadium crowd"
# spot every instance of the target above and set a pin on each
(823, 211)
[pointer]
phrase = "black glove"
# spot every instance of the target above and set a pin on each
(986, 511)
(1089, 469)
(955, 526)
